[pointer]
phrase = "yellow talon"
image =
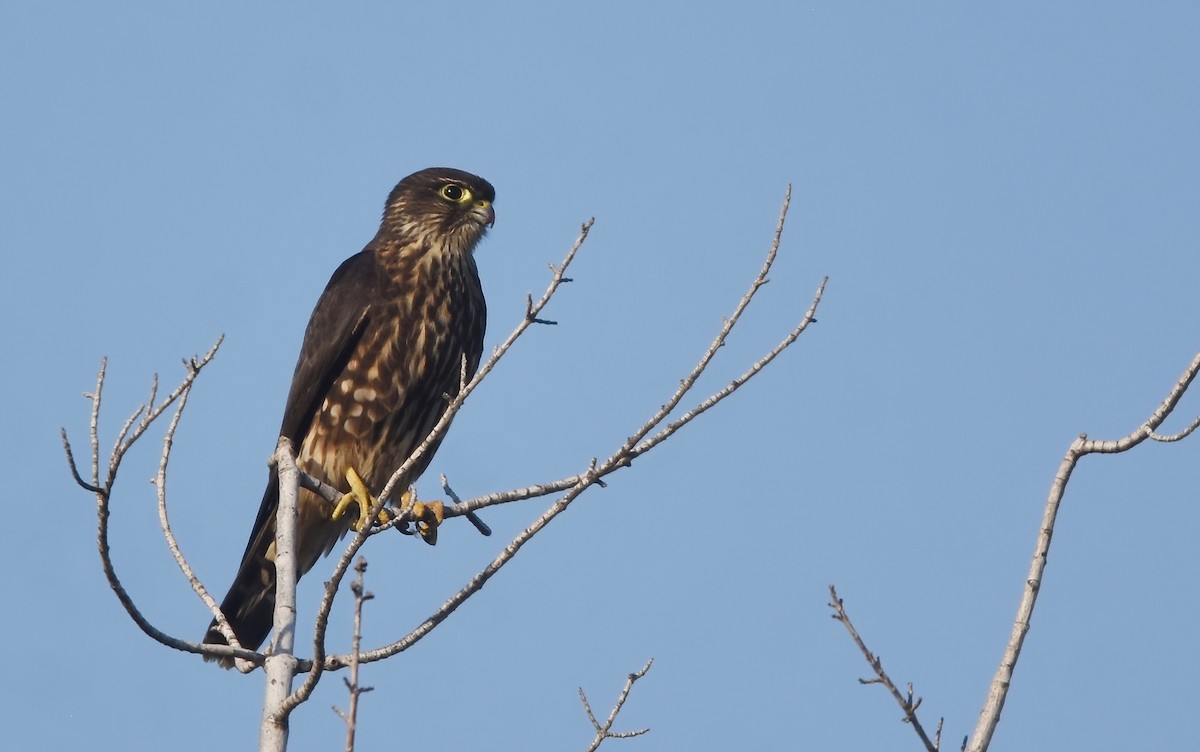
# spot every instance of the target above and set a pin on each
(360, 496)
(427, 515)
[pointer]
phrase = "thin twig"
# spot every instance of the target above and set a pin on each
(62, 432)
(361, 596)
(517, 494)
(906, 701)
(473, 518)
(718, 342)
(1177, 436)
(633, 448)
(94, 422)
(545, 489)
(160, 482)
(604, 731)
(732, 386)
(133, 428)
(474, 585)
(621, 458)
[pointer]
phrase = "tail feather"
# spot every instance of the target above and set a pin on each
(249, 606)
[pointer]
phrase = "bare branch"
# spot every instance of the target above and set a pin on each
(319, 487)
(62, 432)
(160, 482)
(713, 399)
(604, 731)
(906, 701)
(361, 596)
(1177, 436)
(473, 518)
(633, 448)
(94, 421)
(133, 428)
(517, 494)
(280, 665)
(719, 341)
(1082, 446)
(574, 486)
(474, 585)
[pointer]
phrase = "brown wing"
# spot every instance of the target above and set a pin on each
(334, 331)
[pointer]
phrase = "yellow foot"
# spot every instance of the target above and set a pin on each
(427, 515)
(360, 497)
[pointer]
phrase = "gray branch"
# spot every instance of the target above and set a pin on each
(604, 730)
(989, 717)
(280, 665)
(133, 428)
(905, 700)
(356, 690)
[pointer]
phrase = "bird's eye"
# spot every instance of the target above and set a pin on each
(456, 193)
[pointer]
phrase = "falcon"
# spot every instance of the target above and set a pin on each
(384, 351)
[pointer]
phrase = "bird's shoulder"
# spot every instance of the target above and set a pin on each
(334, 329)
(355, 278)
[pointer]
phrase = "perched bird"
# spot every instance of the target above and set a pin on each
(385, 346)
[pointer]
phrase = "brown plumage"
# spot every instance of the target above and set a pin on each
(385, 344)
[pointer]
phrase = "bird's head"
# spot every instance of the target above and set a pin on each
(439, 207)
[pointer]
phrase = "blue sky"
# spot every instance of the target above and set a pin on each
(1005, 200)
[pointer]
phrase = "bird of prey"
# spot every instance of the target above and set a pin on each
(386, 346)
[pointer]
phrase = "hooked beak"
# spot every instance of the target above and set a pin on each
(484, 213)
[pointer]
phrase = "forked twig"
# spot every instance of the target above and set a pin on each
(604, 730)
(1082, 446)
(634, 446)
(131, 430)
(905, 700)
(361, 596)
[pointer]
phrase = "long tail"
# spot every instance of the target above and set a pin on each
(249, 605)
